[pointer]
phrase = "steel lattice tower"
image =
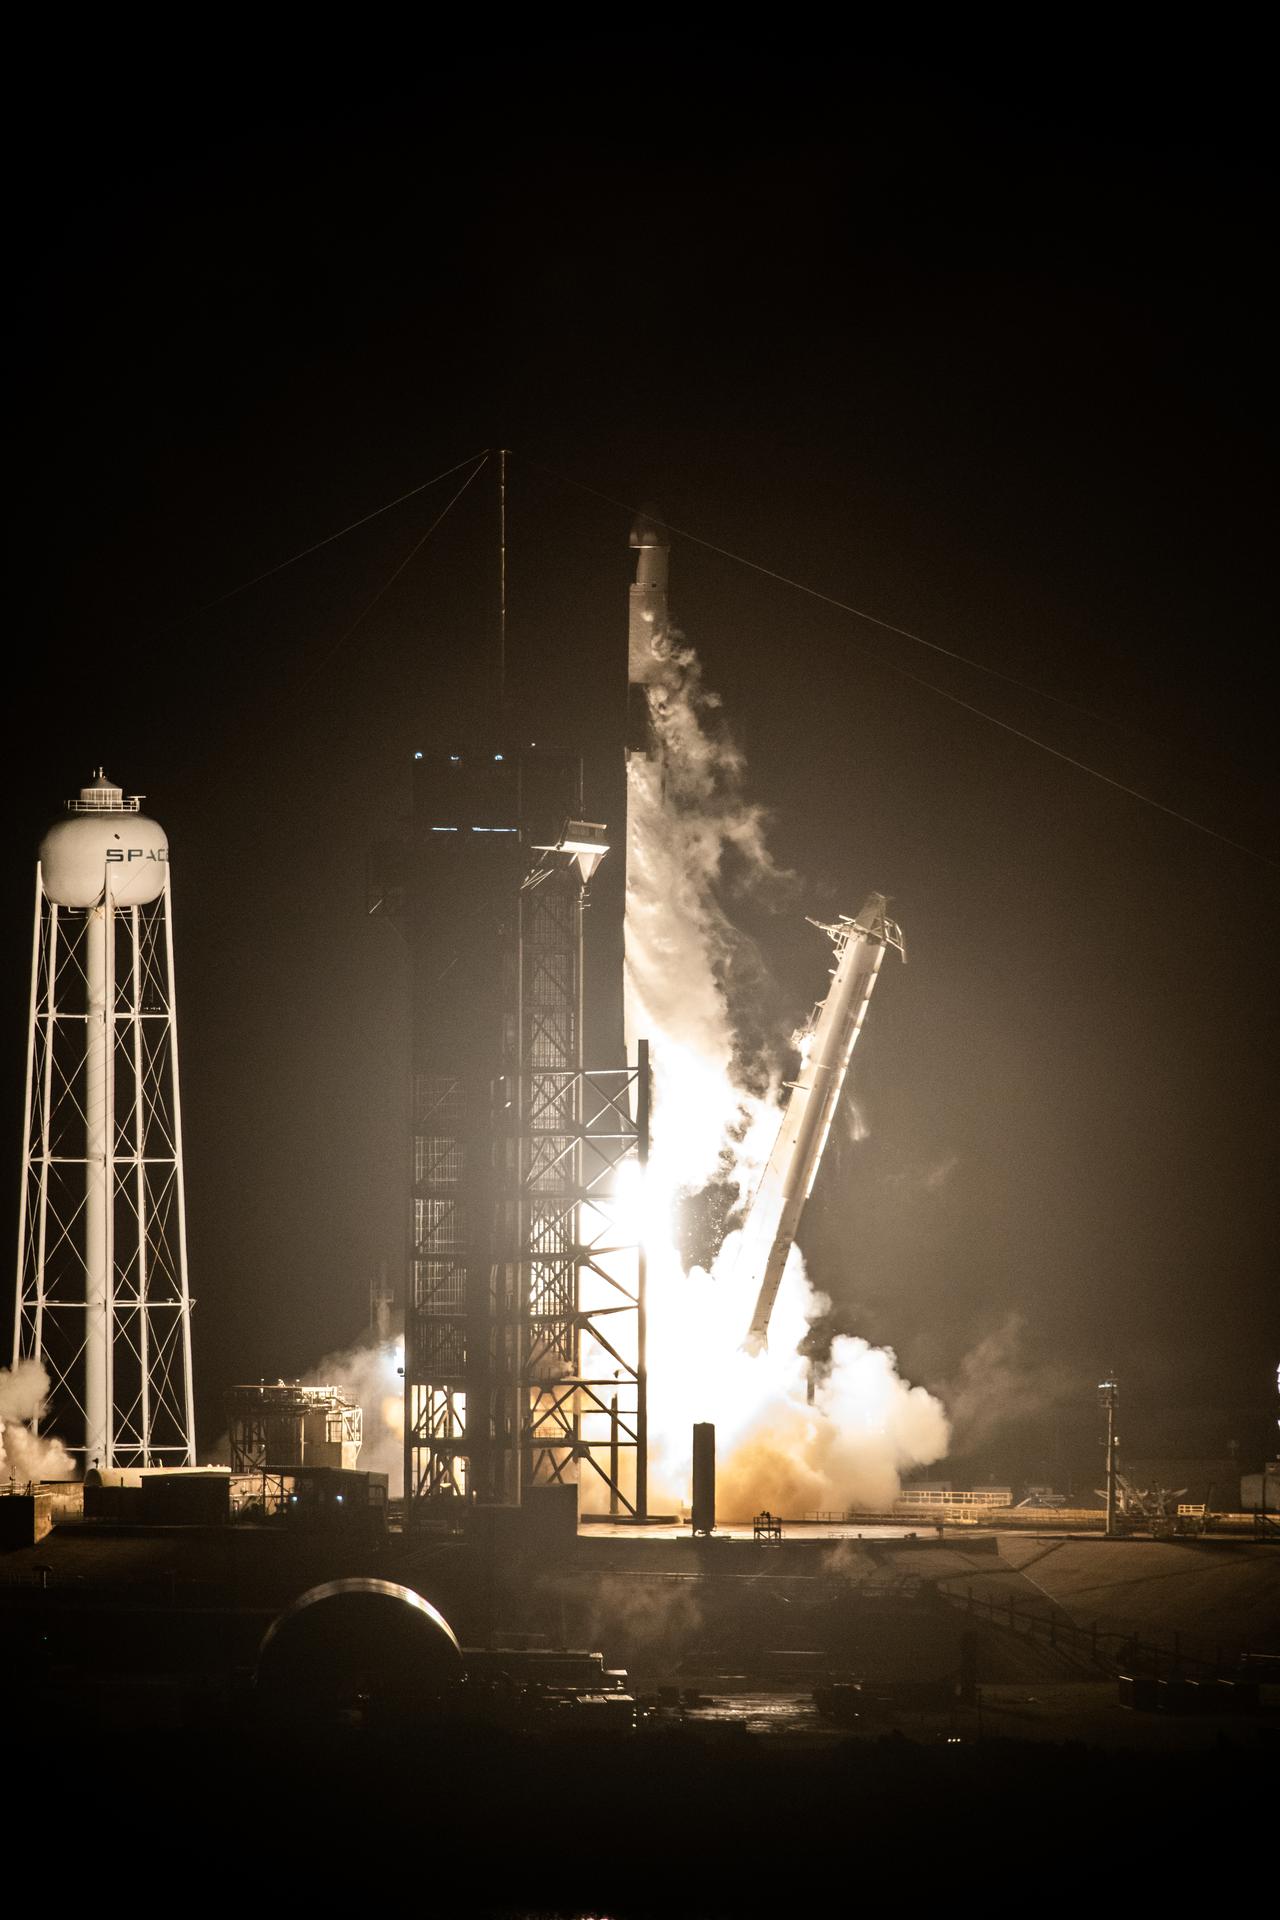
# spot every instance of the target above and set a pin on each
(103, 1301)
(580, 1383)
(517, 1371)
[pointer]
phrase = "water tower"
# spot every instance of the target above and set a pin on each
(103, 1301)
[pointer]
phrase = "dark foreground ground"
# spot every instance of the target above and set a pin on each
(453, 1823)
(812, 1727)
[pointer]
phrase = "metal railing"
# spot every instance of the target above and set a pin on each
(106, 800)
(1115, 1649)
(951, 1499)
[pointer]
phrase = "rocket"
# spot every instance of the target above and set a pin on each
(826, 1046)
(650, 668)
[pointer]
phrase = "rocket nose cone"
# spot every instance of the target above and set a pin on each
(649, 530)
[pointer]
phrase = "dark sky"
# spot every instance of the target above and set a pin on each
(978, 354)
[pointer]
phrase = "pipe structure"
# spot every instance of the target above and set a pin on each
(825, 1050)
(1109, 1400)
(97, 1194)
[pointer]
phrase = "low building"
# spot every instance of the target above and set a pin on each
(288, 1425)
(28, 1513)
(158, 1496)
(325, 1499)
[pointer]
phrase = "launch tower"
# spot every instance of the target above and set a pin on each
(518, 1371)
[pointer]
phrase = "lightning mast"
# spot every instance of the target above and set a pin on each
(826, 1046)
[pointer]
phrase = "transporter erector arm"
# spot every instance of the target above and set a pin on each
(825, 1050)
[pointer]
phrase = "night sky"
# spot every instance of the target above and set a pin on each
(986, 361)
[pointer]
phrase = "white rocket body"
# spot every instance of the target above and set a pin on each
(647, 611)
(825, 1052)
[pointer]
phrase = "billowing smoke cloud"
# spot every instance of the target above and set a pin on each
(644, 1619)
(930, 1177)
(24, 1455)
(845, 1561)
(692, 834)
(845, 1448)
(997, 1383)
(715, 1118)
(371, 1375)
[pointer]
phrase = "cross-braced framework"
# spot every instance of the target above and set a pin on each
(525, 1332)
(580, 1382)
(436, 1324)
(102, 1300)
(585, 1381)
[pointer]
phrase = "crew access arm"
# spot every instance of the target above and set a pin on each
(825, 1050)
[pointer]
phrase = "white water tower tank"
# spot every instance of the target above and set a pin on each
(102, 835)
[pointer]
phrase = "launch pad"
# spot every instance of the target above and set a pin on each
(527, 1336)
(527, 1349)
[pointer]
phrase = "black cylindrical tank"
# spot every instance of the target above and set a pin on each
(358, 1649)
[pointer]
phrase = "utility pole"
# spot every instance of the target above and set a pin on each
(502, 587)
(1109, 1399)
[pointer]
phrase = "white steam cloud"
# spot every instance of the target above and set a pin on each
(846, 1448)
(997, 1382)
(715, 1117)
(26, 1456)
(371, 1375)
(688, 819)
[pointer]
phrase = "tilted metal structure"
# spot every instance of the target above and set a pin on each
(103, 1300)
(825, 1047)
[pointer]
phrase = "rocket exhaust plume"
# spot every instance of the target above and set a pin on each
(688, 823)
